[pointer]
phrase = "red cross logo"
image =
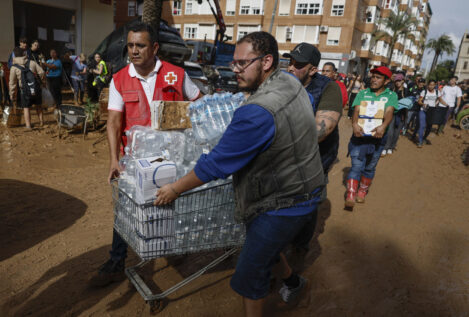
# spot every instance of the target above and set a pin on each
(170, 78)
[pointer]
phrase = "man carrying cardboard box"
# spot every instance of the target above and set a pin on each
(374, 108)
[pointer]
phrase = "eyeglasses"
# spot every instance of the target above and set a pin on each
(242, 64)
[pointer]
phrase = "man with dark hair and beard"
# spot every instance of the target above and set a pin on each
(271, 149)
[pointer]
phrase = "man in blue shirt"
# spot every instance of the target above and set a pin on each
(271, 149)
(54, 76)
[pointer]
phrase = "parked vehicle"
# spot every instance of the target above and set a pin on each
(462, 119)
(197, 75)
(226, 80)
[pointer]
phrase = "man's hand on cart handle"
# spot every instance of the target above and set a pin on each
(166, 194)
(114, 171)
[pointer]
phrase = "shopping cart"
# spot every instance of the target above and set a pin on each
(201, 220)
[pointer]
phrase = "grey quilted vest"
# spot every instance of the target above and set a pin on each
(290, 169)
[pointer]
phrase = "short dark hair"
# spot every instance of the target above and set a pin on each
(432, 81)
(18, 51)
(145, 27)
(330, 64)
(34, 41)
(262, 43)
(23, 40)
(456, 77)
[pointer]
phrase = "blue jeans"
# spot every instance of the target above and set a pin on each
(422, 124)
(266, 237)
(365, 157)
(119, 247)
(78, 87)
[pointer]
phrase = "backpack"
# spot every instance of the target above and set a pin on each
(30, 85)
(425, 95)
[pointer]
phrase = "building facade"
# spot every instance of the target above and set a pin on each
(75, 25)
(462, 63)
(343, 30)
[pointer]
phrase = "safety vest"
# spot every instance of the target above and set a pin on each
(168, 87)
(101, 77)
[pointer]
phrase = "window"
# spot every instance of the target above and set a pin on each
(177, 7)
(337, 10)
(284, 34)
(190, 31)
(308, 7)
(244, 10)
(189, 7)
(288, 34)
(305, 33)
(245, 29)
(206, 31)
(465, 65)
(229, 32)
(132, 8)
(333, 35)
(468, 50)
(338, 7)
(254, 7)
(284, 7)
(230, 7)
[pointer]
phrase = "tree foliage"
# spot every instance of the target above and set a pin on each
(441, 45)
(399, 24)
(443, 71)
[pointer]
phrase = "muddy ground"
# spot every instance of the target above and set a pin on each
(405, 252)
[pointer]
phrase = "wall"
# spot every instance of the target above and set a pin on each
(7, 35)
(97, 23)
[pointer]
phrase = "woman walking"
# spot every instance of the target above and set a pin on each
(354, 87)
(429, 102)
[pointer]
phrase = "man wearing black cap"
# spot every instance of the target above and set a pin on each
(327, 105)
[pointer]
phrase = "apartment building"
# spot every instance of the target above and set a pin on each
(343, 30)
(462, 63)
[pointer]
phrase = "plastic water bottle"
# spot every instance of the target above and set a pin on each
(214, 120)
(228, 104)
(197, 119)
(237, 100)
(219, 102)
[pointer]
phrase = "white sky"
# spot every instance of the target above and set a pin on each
(450, 17)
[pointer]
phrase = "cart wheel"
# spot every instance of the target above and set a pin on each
(156, 306)
(464, 123)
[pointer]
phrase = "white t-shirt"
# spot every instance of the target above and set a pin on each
(116, 103)
(449, 95)
(431, 99)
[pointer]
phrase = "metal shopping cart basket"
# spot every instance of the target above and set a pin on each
(201, 220)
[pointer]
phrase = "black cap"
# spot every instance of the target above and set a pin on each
(305, 53)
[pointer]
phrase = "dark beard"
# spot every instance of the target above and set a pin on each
(256, 82)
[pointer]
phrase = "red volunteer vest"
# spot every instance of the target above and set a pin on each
(168, 87)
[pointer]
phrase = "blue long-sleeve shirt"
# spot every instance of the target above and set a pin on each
(250, 133)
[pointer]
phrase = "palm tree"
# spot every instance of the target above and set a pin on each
(441, 45)
(399, 24)
(152, 13)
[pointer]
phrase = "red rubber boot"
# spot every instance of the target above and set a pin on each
(363, 190)
(352, 185)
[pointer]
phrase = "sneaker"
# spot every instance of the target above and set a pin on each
(383, 153)
(108, 273)
(389, 152)
(420, 144)
(428, 142)
(290, 294)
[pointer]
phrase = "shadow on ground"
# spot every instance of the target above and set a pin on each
(31, 213)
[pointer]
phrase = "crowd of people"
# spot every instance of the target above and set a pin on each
(70, 71)
(279, 147)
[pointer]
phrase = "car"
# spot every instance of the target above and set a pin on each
(197, 75)
(226, 80)
(462, 118)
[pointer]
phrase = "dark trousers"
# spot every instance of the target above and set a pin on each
(55, 87)
(350, 103)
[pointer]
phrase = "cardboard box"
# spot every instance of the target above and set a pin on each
(150, 174)
(372, 109)
(369, 124)
(170, 115)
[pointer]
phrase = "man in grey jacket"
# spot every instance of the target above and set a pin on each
(271, 149)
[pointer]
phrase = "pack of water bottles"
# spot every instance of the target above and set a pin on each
(211, 115)
(200, 220)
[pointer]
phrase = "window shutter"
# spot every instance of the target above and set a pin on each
(284, 7)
